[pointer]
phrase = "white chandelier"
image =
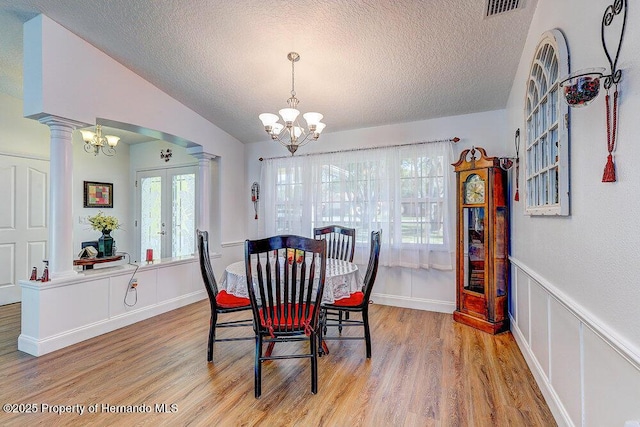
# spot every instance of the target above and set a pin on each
(95, 142)
(291, 134)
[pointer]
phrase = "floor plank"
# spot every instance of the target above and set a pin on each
(426, 370)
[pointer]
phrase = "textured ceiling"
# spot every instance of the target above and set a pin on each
(363, 62)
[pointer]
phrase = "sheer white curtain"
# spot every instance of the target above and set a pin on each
(404, 190)
(286, 196)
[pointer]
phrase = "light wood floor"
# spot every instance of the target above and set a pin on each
(426, 370)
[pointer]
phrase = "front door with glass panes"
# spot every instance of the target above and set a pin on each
(166, 212)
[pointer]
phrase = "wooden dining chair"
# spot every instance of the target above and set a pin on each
(357, 302)
(341, 241)
(341, 244)
(221, 302)
(285, 293)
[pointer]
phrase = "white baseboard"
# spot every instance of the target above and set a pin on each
(550, 396)
(38, 347)
(232, 244)
(415, 303)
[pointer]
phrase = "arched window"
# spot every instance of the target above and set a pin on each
(547, 129)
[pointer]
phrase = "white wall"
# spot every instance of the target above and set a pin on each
(101, 168)
(67, 77)
(19, 135)
(147, 156)
(414, 288)
(575, 295)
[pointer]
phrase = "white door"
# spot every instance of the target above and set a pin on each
(24, 199)
(166, 212)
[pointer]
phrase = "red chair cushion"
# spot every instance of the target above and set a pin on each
(226, 300)
(353, 300)
(290, 321)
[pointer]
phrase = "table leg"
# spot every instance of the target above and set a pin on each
(325, 349)
(269, 349)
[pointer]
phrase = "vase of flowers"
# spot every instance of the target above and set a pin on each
(105, 224)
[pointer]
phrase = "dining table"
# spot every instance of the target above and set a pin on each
(342, 278)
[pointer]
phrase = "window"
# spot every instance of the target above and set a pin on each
(422, 199)
(289, 203)
(546, 117)
(350, 196)
(401, 190)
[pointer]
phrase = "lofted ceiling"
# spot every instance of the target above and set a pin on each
(363, 62)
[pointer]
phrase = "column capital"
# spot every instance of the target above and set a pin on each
(199, 154)
(61, 121)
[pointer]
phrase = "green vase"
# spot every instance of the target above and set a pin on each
(105, 244)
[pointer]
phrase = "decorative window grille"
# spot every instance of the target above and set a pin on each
(547, 129)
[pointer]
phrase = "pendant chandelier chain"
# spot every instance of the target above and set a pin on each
(293, 78)
(293, 101)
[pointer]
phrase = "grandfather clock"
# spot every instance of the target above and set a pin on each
(482, 227)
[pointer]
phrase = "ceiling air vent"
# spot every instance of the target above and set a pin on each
(497, 7)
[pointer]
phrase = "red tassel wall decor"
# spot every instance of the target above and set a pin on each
(517, 144)
(617, 8)
(609, 174)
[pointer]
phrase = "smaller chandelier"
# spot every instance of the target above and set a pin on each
(291, 134)
(95, 142)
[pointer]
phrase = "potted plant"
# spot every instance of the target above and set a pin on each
(105, 224)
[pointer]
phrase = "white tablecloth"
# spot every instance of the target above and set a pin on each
(341, 279)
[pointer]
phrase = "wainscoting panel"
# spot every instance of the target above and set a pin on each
(564, 348)
(587, 373)
(522, 305)
(610, 384)
(540, 326)
(513, 298)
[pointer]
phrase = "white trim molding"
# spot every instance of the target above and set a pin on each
(232, 244)
(619, 344)
(587, 372)
(414, 303)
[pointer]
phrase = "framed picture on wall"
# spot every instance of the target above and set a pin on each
(98, 194)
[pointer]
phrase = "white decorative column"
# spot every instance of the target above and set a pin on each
(60, 196)
(204, 189)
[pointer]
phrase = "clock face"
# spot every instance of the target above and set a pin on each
(474, 190)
